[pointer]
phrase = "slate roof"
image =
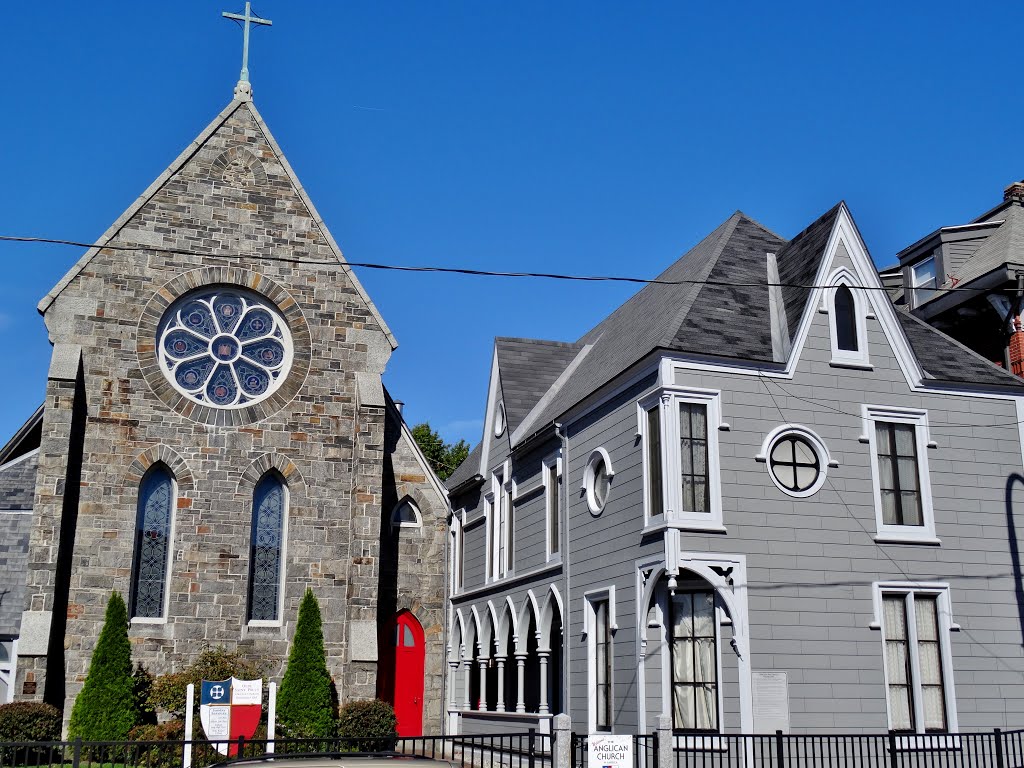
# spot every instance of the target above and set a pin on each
(945, 359)
(17, 489)
(528, 368)
(469, 467)
(1004, 246)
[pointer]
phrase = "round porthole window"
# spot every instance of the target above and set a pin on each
(797, 461)
(499, 419)
(597, 480)
(224, 348)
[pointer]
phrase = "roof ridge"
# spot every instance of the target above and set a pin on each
(537, 341)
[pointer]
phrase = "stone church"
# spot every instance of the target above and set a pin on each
(215, 438)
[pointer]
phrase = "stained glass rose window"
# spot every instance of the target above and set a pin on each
(225, 348)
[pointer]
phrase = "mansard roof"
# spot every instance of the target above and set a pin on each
(245, 106)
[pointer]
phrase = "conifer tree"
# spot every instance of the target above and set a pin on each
(105, 709)
(305, 706)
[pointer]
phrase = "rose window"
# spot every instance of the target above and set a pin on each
(225, 348)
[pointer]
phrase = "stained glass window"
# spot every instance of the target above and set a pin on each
(265, 553)
(224, 348)
(152, 543)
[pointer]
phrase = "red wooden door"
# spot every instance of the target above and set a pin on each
(409, 657)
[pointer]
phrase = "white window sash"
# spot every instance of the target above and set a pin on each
(846, 358)
(553, 505)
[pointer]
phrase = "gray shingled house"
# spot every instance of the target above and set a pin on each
(745, 506)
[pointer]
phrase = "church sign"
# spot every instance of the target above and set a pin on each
(230, 709)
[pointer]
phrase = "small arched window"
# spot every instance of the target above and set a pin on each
(846, 319)
(150, 570)
(269, 500)
(406, 515)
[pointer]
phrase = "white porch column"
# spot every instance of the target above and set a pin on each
(521, 678)
(500, 707)
(468, 664)
(483, 684)
(543, 657)
(453, 697)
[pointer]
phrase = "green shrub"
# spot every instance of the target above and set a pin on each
(29, 721)
(172, 730)
(305, 706)
(368, 726)
(168, 691)
(105, 708)
(142, 685)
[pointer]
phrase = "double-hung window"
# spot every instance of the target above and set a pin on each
(693, 644)
(7, 666)
(458, 550)
(915, 623)
(679, 428)
(553, 504)
(501, 525)
(599, 606)
(924, 282)
(899, 443)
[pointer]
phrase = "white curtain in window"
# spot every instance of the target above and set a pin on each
(929, 659)
(900, 705)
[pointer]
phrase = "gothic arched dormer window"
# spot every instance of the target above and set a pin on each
(848, 317)
(151, 561)
(266, 553)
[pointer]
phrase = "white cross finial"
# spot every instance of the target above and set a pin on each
(244, 89)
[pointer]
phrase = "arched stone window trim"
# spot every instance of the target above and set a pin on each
(152, 554)
(406, 514)
(846, 304)
(267, 551)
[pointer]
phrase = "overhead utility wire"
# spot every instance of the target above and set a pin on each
(468, 271)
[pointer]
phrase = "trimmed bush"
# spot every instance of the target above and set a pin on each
(368, 726)
(29, 721)
(105, 708)
(142, 682)
(168, 691)
(305, 706)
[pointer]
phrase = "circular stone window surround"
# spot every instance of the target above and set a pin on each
(208, 279)
(810, 438)
(598, 458)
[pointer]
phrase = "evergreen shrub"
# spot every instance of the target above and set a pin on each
(105, 708)
(305, 702)
(29, 721)
(368, 726)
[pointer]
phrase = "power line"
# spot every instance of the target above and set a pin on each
(471, 272)
(881, 549)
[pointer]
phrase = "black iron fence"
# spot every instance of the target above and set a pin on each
(994, 749)
(518, 750)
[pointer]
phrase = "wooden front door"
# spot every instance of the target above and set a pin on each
(409, 657)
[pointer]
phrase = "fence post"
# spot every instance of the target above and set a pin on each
(780, 758)
(665, 754)
(76, 757)
(998, 734)
(893, 758)
(655, 740)
(533, 747)
(562, 741)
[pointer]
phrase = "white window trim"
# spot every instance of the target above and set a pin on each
(845, 358)
(589, 478)
(279, 621)
(669, 398)
(457, 528)
(489, 567)
(499, 419)
(589, 630)
(165, 611)
(915, 285)
(501, 491)
(946, 625)
(554, 460)
(825, 459)
(10, 670)
(396, 523)
(902, 534)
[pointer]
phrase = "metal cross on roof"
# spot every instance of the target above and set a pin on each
(247, 18)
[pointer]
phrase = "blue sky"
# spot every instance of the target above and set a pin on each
(579, 137)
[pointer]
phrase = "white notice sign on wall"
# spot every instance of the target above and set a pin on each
(607, 751)
(771, 701)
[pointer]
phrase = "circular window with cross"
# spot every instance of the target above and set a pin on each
(797, 460)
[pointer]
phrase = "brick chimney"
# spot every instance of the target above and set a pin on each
(1017, 349)
(1014, 193)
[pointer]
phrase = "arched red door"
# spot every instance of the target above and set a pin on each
(409, 657)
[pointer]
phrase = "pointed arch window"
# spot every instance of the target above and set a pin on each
(151, 560)
(266, 554)
(848, 318)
